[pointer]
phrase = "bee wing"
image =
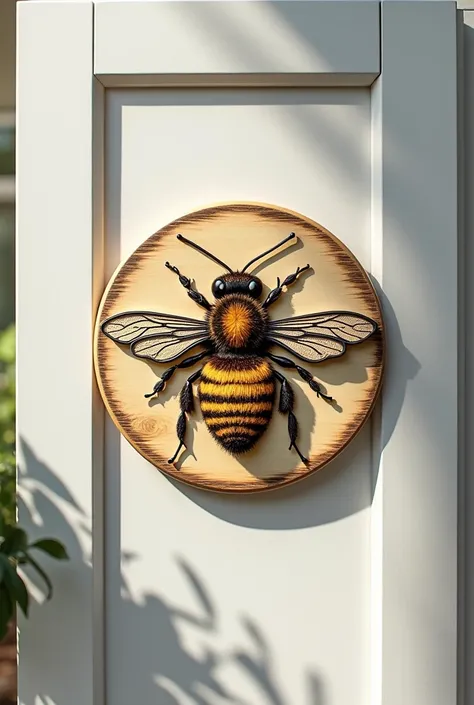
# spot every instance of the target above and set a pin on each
(165, 349)
(159, 337)
(315, 337)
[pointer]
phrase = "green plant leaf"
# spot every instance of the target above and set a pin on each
(15, 585)
(7, 345)
(52, 547)
(6, 611)
(15, 542)
(7, 426)
(31, 561)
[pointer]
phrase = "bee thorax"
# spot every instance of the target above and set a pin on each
(238, 324)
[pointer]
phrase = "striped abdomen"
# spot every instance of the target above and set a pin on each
(236, 396)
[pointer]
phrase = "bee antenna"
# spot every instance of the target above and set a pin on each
(267, 252)
(204, 252)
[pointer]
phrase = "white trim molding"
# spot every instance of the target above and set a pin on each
(237, 43)
(415, 260)
(59, 419)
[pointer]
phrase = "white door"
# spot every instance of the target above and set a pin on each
(342, 588)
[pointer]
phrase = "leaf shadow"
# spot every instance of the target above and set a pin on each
(147, 635)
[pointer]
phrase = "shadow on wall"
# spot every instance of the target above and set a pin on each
(335, 491)
(168, 672)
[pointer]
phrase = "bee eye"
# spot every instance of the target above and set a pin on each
(255, 288)
(218, 288)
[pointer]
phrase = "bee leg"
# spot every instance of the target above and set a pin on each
(167, 374)
(186, 403)
(275, 293)
(304, 374)
(194, 295)
(287, 400)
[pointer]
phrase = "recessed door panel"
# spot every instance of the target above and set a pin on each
(232, 599)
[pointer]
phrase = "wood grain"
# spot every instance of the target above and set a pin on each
(236, 232)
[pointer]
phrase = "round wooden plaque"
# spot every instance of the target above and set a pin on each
(235, 233)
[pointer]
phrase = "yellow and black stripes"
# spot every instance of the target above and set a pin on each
(236, 396)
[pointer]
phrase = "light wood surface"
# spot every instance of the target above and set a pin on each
(235, 233)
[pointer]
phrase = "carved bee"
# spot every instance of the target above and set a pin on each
(237, 384)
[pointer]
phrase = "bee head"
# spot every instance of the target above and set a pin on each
(237, 283)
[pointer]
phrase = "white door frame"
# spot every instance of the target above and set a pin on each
(69, 54)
